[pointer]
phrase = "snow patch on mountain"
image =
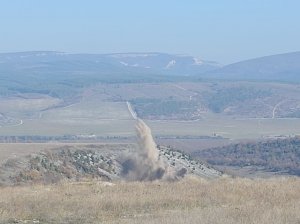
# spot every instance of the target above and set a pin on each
(133, 55)
(124, 63)
(197, 61)
(170, 64)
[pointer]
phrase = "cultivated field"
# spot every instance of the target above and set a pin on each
(114, 119)
(191, 200)
(83, 118)
(191, 145)
(228, 127)
(235, 110)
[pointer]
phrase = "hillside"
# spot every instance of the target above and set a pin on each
(107, 162)
(278, 156)
(281, 67)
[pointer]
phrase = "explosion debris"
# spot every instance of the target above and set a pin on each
(144, 165)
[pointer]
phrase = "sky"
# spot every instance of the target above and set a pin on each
(225, 31)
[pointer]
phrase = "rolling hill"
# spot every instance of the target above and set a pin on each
(281, 67)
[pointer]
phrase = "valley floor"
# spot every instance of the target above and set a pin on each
(192, 200)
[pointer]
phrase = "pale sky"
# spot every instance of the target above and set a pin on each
(222, 30)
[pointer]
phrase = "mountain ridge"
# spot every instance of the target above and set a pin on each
(60, 73)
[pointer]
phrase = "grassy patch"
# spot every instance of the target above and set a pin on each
(220, 201)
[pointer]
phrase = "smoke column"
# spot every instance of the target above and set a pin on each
(144, 165)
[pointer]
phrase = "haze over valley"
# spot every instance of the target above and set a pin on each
(149, 112)
(55, 96)
(57, 87)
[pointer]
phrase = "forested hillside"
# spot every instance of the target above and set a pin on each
(280, 155)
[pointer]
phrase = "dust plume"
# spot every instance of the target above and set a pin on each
(144, 165)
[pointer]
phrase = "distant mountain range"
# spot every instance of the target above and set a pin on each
(155, 63)
(51, 72)
(62, 74)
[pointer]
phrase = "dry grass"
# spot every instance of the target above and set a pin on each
(191, 200)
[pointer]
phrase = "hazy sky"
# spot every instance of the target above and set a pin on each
(221, 30)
